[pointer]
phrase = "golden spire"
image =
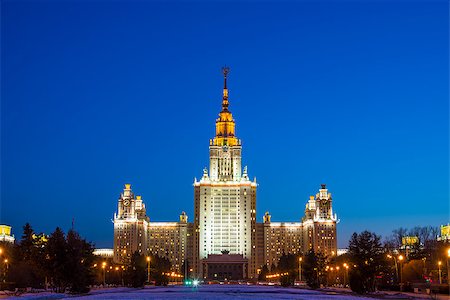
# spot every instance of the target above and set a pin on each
(225, 71)
(225, 124)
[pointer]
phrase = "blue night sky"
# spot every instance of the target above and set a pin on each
(98, 94)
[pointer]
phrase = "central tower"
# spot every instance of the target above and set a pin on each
(225, 198)
(225, 148)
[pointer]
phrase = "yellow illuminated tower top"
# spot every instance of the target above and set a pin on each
(225, 126)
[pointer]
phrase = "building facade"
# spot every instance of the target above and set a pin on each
(5, 234)
(224, 232)
(133, 232)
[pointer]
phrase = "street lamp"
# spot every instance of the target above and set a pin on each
(346, 272)
(440, 277)
(300, 259)
(396, 267)
(6, 269)
(121, 275)
(400, 258)
(148, 269)
(104, 273)
(331, 276)
(448, 270)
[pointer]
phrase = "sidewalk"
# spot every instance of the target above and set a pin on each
(392, 294)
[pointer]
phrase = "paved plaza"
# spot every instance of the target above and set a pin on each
(219, 292)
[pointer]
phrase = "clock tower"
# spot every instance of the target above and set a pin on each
(130, 226)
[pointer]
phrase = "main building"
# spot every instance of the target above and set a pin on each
(224, 241)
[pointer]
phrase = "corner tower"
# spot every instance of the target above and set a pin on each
(225, 199)
(130, 226)
(319, 224)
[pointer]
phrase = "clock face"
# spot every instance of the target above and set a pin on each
(126, 202)
(225, 148)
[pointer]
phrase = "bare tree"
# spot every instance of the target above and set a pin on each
(398, 235)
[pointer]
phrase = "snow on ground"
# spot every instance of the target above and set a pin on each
(204, 292)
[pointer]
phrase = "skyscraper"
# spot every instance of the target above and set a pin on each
(225, 198)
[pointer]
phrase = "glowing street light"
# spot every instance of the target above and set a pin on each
(300, 259)
(440, 277)
(400, 259)
(346, 272)
(104, 273)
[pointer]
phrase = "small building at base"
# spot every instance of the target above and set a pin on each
(225, 266)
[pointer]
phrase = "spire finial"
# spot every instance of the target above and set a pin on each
(225, 71)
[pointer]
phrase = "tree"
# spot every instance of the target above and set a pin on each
(160, 267)
(398, 235)
(27, 269)
(288, 264)
(65, 261)
(273, 268)
(366, 253)
(136, 273)
(79, 259)
(413, 271)
(314, 269)
(57, 258)
(264, 271)
(26, 245)
(321, 265)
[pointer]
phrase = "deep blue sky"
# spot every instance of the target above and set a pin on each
(351, 94)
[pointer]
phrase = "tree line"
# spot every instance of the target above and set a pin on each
(60, 261)
(66, 263)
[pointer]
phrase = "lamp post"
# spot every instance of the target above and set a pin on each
(148, 269)
(448, 270)
(300, 259)
(104, 273)
(346, 272)
(400, 258)
(121, 275)
(424, 266)
(440, 277)
(395, 262)
(6, 269)
(332, 281)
